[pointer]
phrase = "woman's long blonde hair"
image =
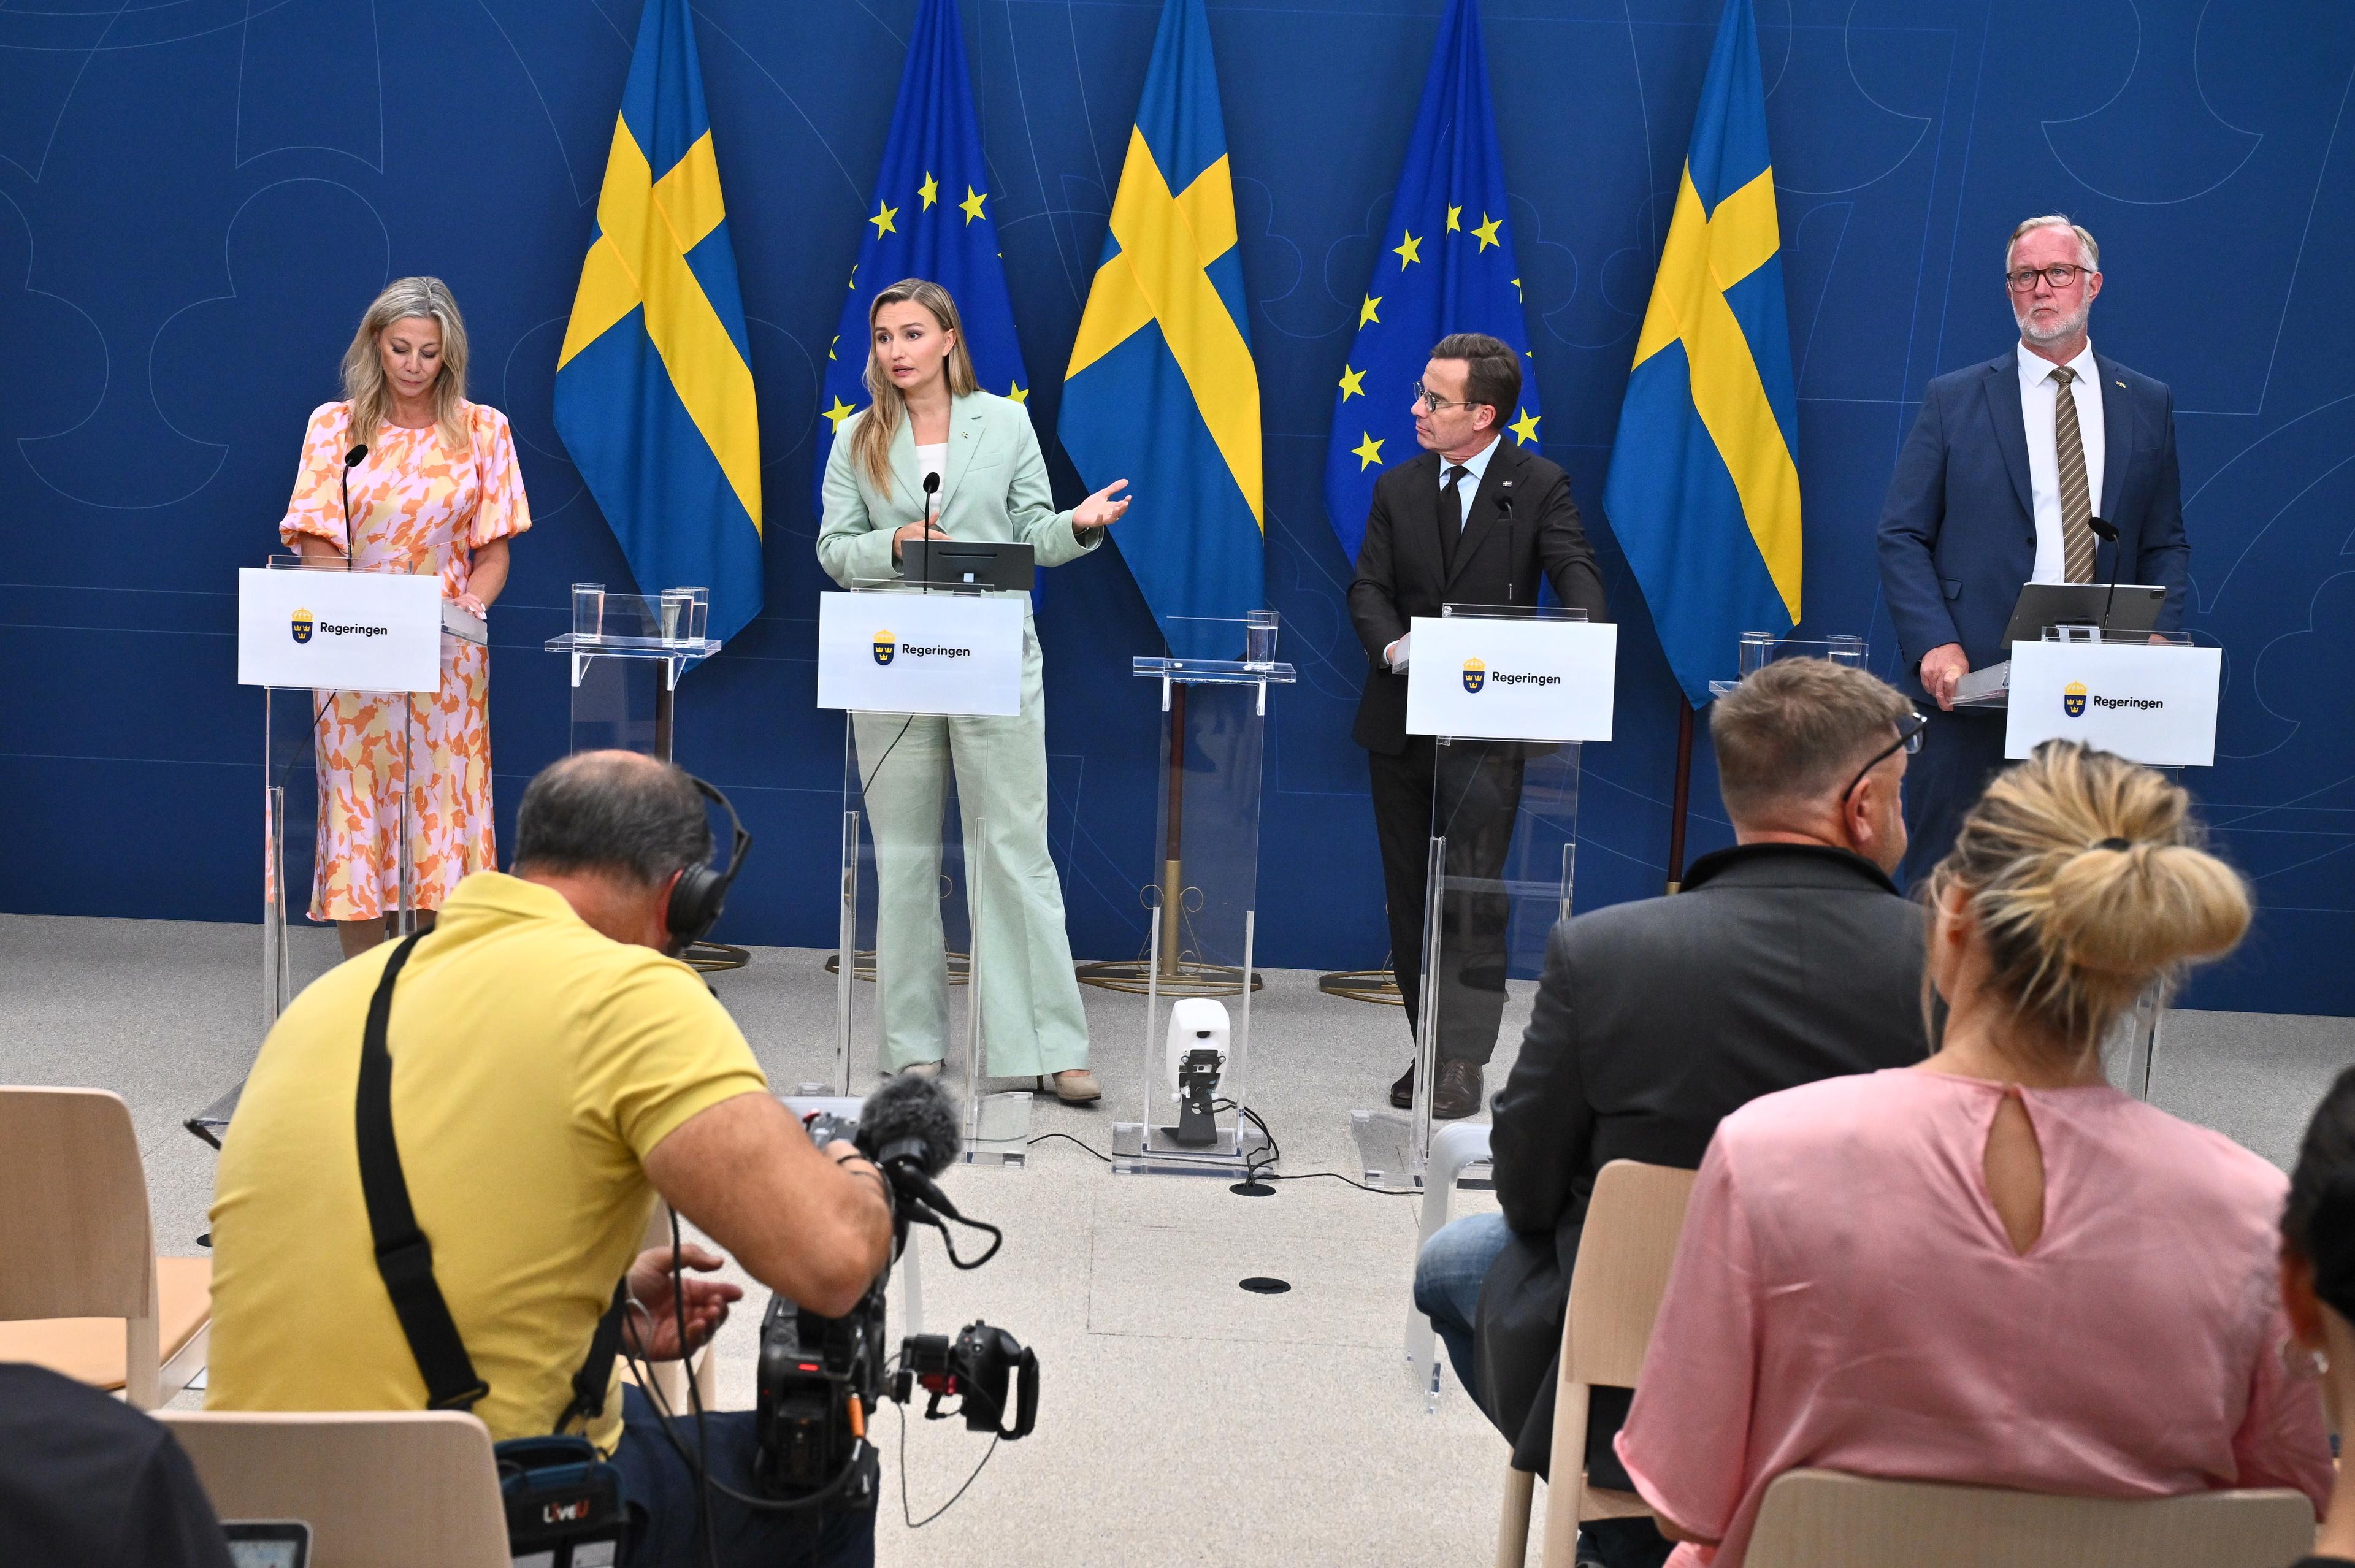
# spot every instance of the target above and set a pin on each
(2087, 879)
(871, 443)
(364, 381)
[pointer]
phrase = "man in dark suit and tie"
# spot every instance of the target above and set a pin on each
(1473, 520)
(1994, 489)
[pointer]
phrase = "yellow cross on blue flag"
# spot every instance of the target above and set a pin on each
(1445, 265)
(1704, 488)
(1162, 389)
(654, 384)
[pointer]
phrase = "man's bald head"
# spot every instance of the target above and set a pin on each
(614, 814)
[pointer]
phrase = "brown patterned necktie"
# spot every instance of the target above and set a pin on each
(2076, 500)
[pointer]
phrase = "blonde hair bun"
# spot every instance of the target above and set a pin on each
(2137, 911)
(2087, 877)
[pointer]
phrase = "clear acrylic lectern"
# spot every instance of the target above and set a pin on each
(627, 653)
(911, 931)
(1195, 975)
(1754, 651)
(293, 809)
(1503, 865)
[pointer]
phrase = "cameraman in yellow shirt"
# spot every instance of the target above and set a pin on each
(554, 1068)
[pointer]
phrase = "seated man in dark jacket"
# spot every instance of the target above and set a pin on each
(1788, 958)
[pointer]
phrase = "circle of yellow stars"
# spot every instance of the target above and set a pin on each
(1409, 251)
(887, 217)
(886, 221)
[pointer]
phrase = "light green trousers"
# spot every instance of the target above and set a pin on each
(1031, 1019)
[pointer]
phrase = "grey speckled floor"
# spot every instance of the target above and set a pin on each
(1183, 1420)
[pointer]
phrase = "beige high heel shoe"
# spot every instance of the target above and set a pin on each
(1078, 1086)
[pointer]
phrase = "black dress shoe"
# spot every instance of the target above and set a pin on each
(1403, 1092)
(1457, 1093)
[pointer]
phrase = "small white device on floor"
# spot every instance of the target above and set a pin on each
(1196, 1058)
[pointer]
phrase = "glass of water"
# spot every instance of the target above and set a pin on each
(588, 609)
(1259, 638)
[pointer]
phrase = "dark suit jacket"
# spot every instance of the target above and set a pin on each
(1778, 966)
(1405, 569)
(1959, 534)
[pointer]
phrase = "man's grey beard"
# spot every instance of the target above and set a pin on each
(2070, 325)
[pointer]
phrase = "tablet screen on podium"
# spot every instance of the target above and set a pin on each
(969, 564)
(2129, 607)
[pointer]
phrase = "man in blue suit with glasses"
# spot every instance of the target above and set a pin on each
(2008, 467)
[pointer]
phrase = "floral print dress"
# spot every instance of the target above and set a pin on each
(417, 506)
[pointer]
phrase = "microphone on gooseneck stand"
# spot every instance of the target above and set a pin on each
(932, 488)
(2108, 534)
(351, 545)
(1505, 508)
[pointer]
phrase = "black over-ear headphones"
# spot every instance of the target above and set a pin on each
(701, 891)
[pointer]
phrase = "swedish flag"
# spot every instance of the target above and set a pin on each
(653, 385)
(932, 219)
(1441, 269)
(1162, 389)
(1704, 492)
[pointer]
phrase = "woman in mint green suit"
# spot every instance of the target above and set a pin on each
(929, 416)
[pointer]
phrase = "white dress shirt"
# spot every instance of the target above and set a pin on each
(1475, 466)
(2038, 392)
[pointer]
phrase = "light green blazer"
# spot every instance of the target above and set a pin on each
(992, 487)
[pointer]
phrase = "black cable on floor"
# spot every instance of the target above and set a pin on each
(1254, 1167)
(1068, 1138)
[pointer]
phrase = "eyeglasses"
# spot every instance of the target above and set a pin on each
(1909, 737)
(1434, 402)
(2059, 277)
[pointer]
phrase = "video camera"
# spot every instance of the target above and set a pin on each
(821, 1378)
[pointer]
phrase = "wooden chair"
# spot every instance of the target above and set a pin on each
(1818, 1519)
(379, 1489)
(1632, 1225)
(83, 1292)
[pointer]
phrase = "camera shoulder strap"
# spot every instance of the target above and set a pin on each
(594, 1380)
(405, 1258)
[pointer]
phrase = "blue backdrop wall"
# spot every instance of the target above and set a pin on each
(197, 199)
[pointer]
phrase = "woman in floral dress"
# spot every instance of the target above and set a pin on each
(439, 491)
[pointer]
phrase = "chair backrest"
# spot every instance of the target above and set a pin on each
(379, 1489)
(1632, 1225)
(1818, 1519)
(76, 1198)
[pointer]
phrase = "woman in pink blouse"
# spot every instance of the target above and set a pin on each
(436, 489)
(1993, 1267)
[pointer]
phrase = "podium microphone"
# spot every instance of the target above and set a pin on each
(932, 488)
(351, 545)
(1504, 507)
(2108, 534)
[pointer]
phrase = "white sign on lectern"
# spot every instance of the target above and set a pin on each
(1511, 680)
(958, 655)
(2152, 703)
(342, 631)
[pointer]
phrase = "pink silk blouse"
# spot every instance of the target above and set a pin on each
(1845, 1297)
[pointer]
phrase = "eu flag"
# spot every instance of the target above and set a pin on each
(1162, 389)
(1703, 493)
(930, 221)
(1440, 271)
(653, 385)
